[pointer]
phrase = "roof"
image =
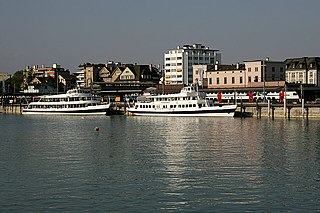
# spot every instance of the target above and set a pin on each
(304, 63)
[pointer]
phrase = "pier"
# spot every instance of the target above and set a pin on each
(257, 109)
(279, 110)
(11, 108)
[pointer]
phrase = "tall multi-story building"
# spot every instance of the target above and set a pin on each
(178, 62)
(305, 70)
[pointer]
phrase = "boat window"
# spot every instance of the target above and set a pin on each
(194, 105)
(190, 105)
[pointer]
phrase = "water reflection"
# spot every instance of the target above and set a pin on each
(157, 163)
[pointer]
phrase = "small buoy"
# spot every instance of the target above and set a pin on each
(97, 128)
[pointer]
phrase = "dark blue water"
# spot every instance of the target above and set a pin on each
(141, 164)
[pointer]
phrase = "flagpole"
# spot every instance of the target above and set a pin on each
(285, 101)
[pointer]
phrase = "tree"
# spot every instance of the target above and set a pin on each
(16, 81)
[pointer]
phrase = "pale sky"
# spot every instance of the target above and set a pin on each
(72, 32)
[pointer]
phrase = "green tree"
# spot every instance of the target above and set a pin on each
(16, 81)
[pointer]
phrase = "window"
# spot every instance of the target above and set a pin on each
(233, 80)
(273, 69)
(255, 78)
(256, 69)
(218, 81)
(225, 80)
(249, 69)
(241, 80)
(210, 80)
(281, 69)
(249, 79)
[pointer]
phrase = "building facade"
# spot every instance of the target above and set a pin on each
(256, 73)
(3, 78)
(178, 62)
(44, 78)
(303, 70)
(220, 76)
(259, 71)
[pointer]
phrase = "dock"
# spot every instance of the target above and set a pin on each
(256, 109)
(279, 110)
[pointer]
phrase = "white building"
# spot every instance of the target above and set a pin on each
(178, 62)
(304, 70)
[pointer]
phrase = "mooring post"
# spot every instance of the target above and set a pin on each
(257, 108)
(289, 109)
(307, 109)
(272, 113)
(268, 108)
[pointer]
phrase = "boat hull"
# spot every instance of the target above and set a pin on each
(101, 110)
(224, 111)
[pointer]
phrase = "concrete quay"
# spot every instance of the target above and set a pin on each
(277, 110)
(11, 108)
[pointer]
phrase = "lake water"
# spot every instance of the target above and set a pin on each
(158, 164)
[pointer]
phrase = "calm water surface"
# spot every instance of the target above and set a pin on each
(149, 164)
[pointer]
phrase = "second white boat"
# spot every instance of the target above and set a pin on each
(189, 102)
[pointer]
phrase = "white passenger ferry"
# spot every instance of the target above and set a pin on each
(188, 102)
(73, 102)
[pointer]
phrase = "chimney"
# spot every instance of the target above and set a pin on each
(237, 66)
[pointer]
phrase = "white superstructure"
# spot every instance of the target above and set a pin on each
(188, 102)
(73, 102)
(178, 62)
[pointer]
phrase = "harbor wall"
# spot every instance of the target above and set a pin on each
(272, 112)
(279, 112)
(11, 109)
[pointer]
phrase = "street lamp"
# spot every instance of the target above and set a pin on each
(264, 78)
